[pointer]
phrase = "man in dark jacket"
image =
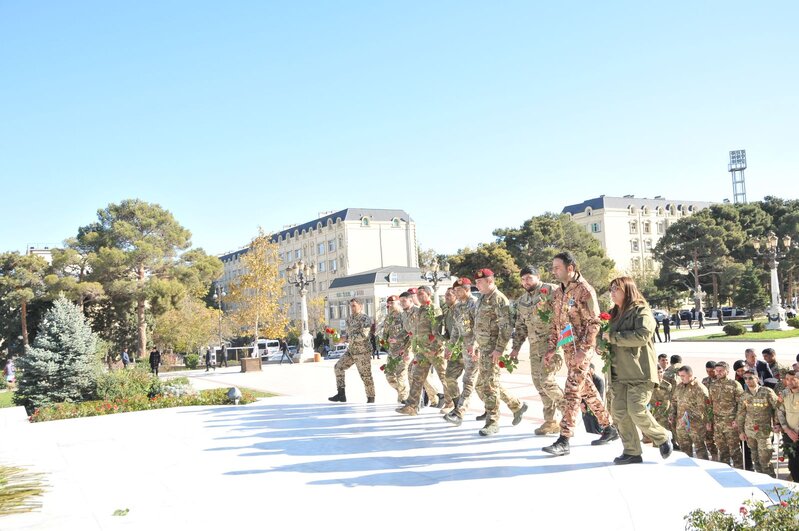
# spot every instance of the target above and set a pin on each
(761, 368)
(155, 360)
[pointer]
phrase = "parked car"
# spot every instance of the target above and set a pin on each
(267, 348)
(686, 314)
(337, 351)
(729, 311)
(659, 315)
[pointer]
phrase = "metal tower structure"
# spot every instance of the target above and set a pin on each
(736, 167)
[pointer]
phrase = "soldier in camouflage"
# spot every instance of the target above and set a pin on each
(777, 369)
(660, 403)
(408, 303)
(756, 415)
(460, 349)
(395, 336)
(670, 376)
(574, 303)
(689, 413)
(424, 325)
(451, 391)
(359, 353)
(492, 331)
(533, 313)
(710, 442)
(724, 397)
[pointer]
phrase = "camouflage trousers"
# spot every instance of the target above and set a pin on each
(691, 437)
(420, 370)
(579, 387)
(727, 442)
(470, 370)
(491, 391)
(398, 376)
(548, 389)
(363, 361)
(631, 414)
(762, 450)
(710, 442)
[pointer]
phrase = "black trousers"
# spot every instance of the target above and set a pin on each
(791, 450)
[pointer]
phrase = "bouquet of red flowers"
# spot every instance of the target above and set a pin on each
(457, 350)
(332, 335)
(603, 346)
(507, 362)
(543, 309)
(391, 364)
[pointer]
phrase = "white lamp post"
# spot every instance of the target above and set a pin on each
(772, 253)
(302, 275)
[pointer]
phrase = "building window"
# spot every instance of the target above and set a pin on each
(298, 254)
(645, 210)
(648, 245)
(631, 210)
(633, 227)
(364, 222)
(650, 264)
(369, 308)
(331, 245)
(635, 263)
(596, 227)
(647, 227)
(588, 211)
(320, 248)
(634, 247)
(395, 223)
(660, 211)
(334, 312)
(322, 266)
(333, 265)
(281, 257)
(661, 227)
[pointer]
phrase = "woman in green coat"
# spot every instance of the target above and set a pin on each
(633, 370)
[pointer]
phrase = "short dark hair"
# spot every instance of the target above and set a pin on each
(528, 270)
(662, 356)
(770, 351)
(356, 300)
(790, 372)
(405, 294)
(426, 289)
(710, 365)
(686, 368)
(567, 258)
(675, 358)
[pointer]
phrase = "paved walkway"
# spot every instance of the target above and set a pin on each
(298, 460)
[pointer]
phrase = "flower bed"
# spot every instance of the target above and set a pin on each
(71, 410)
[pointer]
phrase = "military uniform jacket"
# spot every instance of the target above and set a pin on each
(463, 322)
(528, 321)
(634, 357)
(662, 393)
(492, 328)
(725, 394)
(757, 410)
(575, 303)
(691, 398)
(393, 328)
(448, 315)
(358, 329)
(423, 324)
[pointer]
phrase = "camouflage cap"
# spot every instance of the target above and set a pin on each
(722, 364)
(483, 273)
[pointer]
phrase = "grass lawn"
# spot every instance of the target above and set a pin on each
(6, 399)
(256, 392)
(768, 335)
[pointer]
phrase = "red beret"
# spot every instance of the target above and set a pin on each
(462, 282)
(412, 290)
(392, 298)
(482, 273)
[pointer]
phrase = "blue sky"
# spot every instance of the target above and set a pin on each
(470, 115)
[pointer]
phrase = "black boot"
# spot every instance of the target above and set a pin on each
(339, 397)
(441, 401)
(559, 447)
(370, 400)
(608, 434)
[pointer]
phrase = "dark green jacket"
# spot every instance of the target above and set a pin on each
(634, 356)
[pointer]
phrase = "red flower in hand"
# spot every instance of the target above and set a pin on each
(501, 364)
(414, 362)
(743, 510)
(544, 290)
(605, 316)
(382, 367)
(756, 427)
(657, 404)
(782, 459)
(784, 503)
(722, 511)
(431, 337)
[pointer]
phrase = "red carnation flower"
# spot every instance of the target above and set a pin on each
(657, 404)
(605, 316)
(414, 362)
(501, 364)
(782, 459)
(756, 428)
(431, 337)
(722, 511)
(784, 503)
(409, 334)
(382, 367)
(743, 510)
(544, 290)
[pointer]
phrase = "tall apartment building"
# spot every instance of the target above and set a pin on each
(629, 227)
(340, 244)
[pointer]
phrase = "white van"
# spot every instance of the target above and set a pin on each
(268, 348)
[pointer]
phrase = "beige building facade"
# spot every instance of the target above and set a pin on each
(630, 227)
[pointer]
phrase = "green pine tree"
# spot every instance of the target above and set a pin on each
(751, 294)
(60, 366)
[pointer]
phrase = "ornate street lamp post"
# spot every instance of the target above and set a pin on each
(219, 293)
(772, 253)
(302, 275)
(434, 276)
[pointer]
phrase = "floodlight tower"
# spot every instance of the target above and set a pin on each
(736, 167)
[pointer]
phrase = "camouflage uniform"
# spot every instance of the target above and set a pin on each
(492, 330)
(724, 397)
(406, 317)
(779, 371)
(710, 441)
(463, 331)
(660, 403)
(670, 376)
(396, 337)
(576, 303)
(755, 416)
(423, 324)
(529, 325)
(690, 406)
(359, 352)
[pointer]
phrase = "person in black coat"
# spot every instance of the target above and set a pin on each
(589, 419)
(761, 368)
(155, 360)
(666, 330)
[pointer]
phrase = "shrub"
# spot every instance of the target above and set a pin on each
(759, 327)
(191, 361)
(69, 410)
(751, 515)
(794, 322)
(60, 366)
(125, 383)
(734, 329)
(3, 382)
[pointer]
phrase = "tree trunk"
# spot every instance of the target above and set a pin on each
(716, 302)
(142, 324)
(24, 319)
(697, 287)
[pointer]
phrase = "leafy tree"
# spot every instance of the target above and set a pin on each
(540, 238)
(188, 327)
(750, 293)
(21, 282)
(493, 256)
(68, 277)
(60, 366)
(254, 296)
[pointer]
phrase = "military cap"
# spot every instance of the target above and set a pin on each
(462, 283)
(392, 298)
(722, 364)
(710, 365)
(483, 273)
(738, 365)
